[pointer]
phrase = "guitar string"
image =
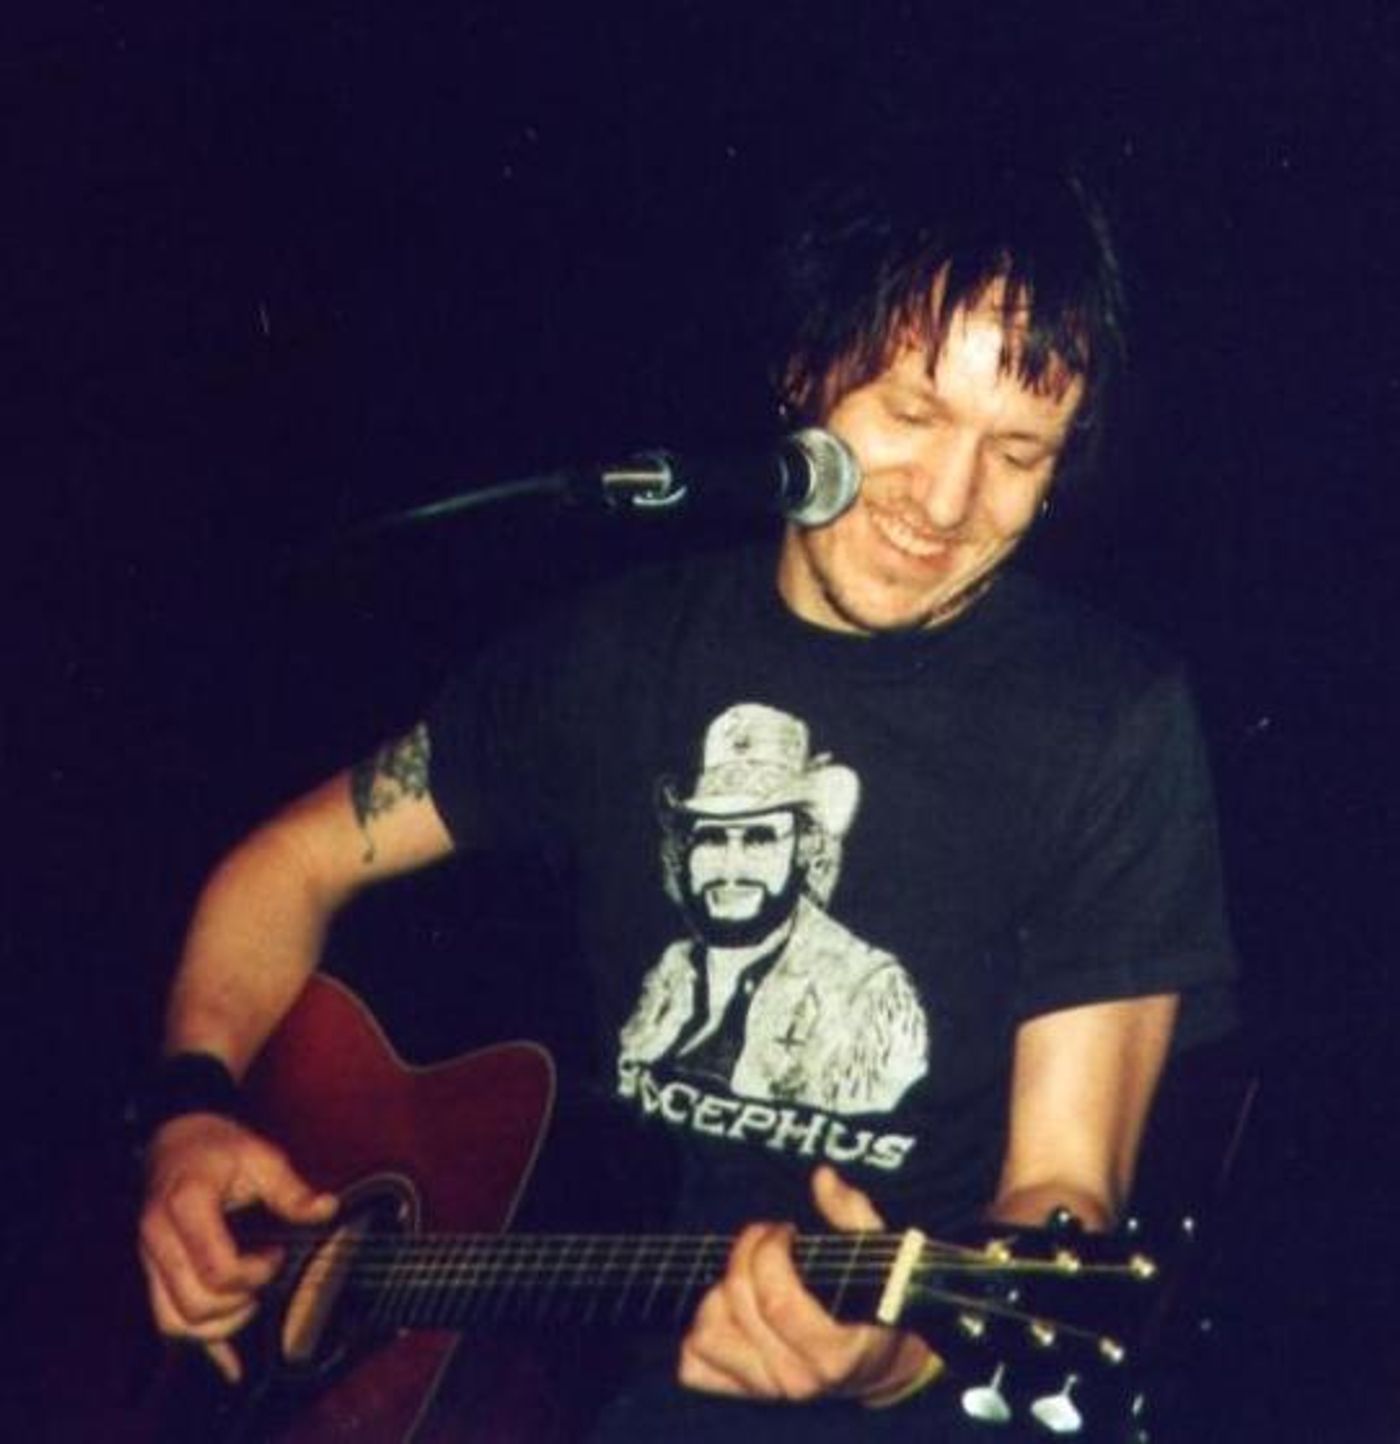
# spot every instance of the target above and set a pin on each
(417, 1306)
(553, 1268)
(415, 1273)
(880, 1245)
(422, 1272)
(428, 1280)
(426, 1255)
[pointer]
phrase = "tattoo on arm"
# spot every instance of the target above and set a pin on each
(397, 771)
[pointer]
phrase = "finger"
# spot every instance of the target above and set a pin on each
(273, 1181)
(718, 1357)
(174, 1324)
(197, 1213)
(842, 1206)
(790, 1331)
(219, 1351)
(697, 1371)
(832, 1357)
(166, 1260)
(224, 1358)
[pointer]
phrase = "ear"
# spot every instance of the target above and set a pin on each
(796, 392)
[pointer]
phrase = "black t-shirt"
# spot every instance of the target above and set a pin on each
(822, 878)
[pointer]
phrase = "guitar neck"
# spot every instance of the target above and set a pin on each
(456, 1281)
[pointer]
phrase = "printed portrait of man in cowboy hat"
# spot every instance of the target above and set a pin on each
(769, 995)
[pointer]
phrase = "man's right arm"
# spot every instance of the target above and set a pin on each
(256, 936)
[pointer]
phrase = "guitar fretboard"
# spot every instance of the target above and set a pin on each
(454, 1281)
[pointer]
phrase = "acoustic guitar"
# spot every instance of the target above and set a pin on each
(419, 1270)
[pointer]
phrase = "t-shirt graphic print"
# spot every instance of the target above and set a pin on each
(769, 1021)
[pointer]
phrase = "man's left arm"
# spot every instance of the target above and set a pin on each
(1082, 1083)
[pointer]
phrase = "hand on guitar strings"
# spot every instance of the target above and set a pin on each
(202, 1288)
(760, 1334)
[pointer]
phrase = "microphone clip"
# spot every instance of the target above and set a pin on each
(646, 481)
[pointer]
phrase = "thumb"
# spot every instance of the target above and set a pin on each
(224, 1358)
(283, 1190)
(842, 1206)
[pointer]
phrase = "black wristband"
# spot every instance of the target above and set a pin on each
(182, 1083)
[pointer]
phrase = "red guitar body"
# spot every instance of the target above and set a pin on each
(465, 1134)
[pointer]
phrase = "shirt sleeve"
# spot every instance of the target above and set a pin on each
(497, 768)
(1133, 904)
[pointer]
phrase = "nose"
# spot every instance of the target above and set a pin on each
(732, 864)
(946, 479)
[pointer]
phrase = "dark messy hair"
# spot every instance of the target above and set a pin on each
(897, 250)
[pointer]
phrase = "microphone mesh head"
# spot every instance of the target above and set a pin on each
(828, 477)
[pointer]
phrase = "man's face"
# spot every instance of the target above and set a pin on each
(741, 875)
(956, 465)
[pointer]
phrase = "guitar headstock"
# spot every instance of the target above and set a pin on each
(1041, 1323)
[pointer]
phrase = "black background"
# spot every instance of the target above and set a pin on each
(270, 270)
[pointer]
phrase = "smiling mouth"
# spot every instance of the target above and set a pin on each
(733, 899)
(911, 541)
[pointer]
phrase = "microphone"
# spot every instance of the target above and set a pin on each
(808, 478)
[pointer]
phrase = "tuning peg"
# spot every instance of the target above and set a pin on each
(985, 1402)
(1111, 1350)
(1137, 1414)
(1061, 1222)
(1058, 1412)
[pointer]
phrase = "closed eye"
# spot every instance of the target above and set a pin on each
(1025, 460)
(909, 415)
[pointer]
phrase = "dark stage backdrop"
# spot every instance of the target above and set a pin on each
(270, 270)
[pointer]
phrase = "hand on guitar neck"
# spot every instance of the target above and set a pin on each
(202, 1287)
(760, 1334)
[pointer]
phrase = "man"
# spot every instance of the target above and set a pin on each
(773, 999)
(1036, 864)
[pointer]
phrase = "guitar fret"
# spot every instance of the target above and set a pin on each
(414, 1297)
(590, 1312)
(470, 1284)
(531, 1296)
(585, 1256)
(853, 1245)
(658, 1276)
(620, 1303)
(509, 1276)
(550, 1302)
(501, 1282)
(411, 1297)
(402, 1297)
(804, 1250)
(693, 1278)
(444, 1277)
(398, 1296)
(365, 1288)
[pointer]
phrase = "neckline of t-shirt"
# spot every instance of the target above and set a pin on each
(883, 654)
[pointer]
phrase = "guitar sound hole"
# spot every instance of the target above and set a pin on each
(320, 1326)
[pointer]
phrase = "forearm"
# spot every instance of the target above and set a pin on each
(1031, 1205)
(256, 935)
(1082, 1086)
